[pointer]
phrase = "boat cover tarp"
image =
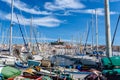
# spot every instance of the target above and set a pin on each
(111, 72)
(111, 62)
(111, 65)
(8, 72)
(106, 62)
(115, 60)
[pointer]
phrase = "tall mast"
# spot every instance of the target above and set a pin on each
(31, 45)
(108, 33)
(31, 32)
(11, 25)
(2, 37)
(86, 36)
(92, 30)
(38, 36)
(96, 31)
(1, 32)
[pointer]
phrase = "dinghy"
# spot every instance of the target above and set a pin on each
(21, 65)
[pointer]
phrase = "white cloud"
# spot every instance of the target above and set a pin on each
(47, 21)
(65, 13)
(42, 21)
(26, 8)
(100, 11)
(64, 4)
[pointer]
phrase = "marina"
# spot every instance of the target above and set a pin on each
(59, 40)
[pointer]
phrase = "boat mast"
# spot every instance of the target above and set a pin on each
(11, 25)
(86, 36)
(92, 31)
(96, 31)
(1, 32)
(108, 33)
(30, 43)
(2, 38)
(31, 31)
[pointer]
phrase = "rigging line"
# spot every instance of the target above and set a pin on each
(87, 36)
(36, 39)
(115, 30)
(3, 39)
(7, 40)
(24, 25)
(21, 31)
(1, 31)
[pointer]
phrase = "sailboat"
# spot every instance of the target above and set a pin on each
(8, 59)
(36, 54)
(111, 64)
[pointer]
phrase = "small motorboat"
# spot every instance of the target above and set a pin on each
(20, 65)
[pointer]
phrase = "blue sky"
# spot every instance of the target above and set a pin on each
(53, 19)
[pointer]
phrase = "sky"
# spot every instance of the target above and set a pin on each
(49, 20)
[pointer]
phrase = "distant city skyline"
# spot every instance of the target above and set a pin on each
(53, 19)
